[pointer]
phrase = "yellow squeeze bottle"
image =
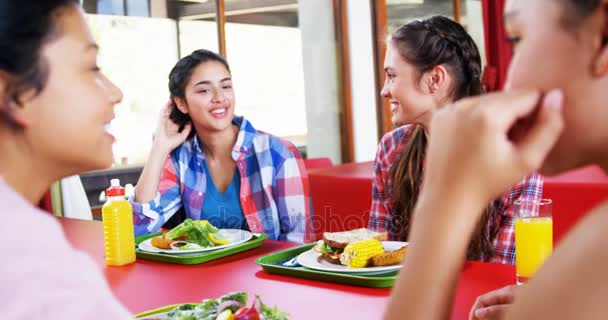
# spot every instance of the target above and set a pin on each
(118, 233)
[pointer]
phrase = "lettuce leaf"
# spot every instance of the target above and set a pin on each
(207, 310)
(197, 232)
(190, 246)
(271, 313)
(324, 248)
(183, 312)
(238, 296)
(181, 229)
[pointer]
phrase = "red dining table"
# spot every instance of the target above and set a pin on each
(147, 285)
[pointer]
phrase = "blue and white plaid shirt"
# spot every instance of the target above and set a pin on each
(274, 195)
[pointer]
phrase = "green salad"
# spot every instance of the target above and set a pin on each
(198, 234)
(232, 306)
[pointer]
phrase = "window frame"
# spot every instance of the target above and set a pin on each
(379, 34)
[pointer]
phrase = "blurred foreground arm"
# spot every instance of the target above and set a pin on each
(461, 176)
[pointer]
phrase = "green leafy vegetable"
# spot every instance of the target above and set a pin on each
(183, 312)
(197, 232)
(324, 248)
(180, 230)
(238, 296)
(190, 246)
(271, 313)
(199, 236)
(207, 310)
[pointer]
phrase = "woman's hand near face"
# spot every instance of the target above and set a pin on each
(470, 160)
(472, 152)
(166, 138)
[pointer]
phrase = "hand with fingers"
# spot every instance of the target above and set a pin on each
(167, 135)
(472, 157)
(493, 305)
(166, 138)
(485, 159)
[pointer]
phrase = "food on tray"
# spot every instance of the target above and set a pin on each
(358, 248)
(389, 258)
(161, 242)
(190, 235)
(232, 306)
(333, 243)
(359, 253)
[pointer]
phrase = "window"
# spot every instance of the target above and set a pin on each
(111, 7)
(197, 26)
(400, 12)
(264, 48)
(139, 8)
(131, 57)
(391, 14)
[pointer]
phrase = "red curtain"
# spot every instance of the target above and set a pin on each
(498, 50)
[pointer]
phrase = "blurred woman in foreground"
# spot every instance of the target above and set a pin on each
(55, 105)
(557, 86)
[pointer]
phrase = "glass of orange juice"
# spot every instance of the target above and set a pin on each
(533, 236)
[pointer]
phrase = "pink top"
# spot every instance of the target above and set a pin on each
(41, 275)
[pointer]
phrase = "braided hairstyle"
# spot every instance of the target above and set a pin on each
(426, 44)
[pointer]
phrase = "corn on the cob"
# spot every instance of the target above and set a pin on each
(358, 254)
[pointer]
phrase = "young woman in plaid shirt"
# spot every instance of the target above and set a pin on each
(428, 64)
(217, 166)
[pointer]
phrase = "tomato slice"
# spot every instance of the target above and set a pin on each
(246, 313)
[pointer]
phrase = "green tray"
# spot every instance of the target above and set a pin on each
(273, 263)
(196, 258)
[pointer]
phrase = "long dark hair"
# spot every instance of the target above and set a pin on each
(577, 10)
(25, 27)
(179, 77)
(426, 44)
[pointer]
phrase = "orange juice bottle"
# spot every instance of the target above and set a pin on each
(118, 233)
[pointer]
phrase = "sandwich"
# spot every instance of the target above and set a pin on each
(333, 244)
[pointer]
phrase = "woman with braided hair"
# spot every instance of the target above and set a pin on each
(430, 63)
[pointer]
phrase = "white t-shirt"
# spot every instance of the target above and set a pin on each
(41, 275)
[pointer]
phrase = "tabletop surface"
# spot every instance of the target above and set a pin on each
(147, 285)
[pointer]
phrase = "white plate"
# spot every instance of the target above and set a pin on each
(312, 259)
(235, 236)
